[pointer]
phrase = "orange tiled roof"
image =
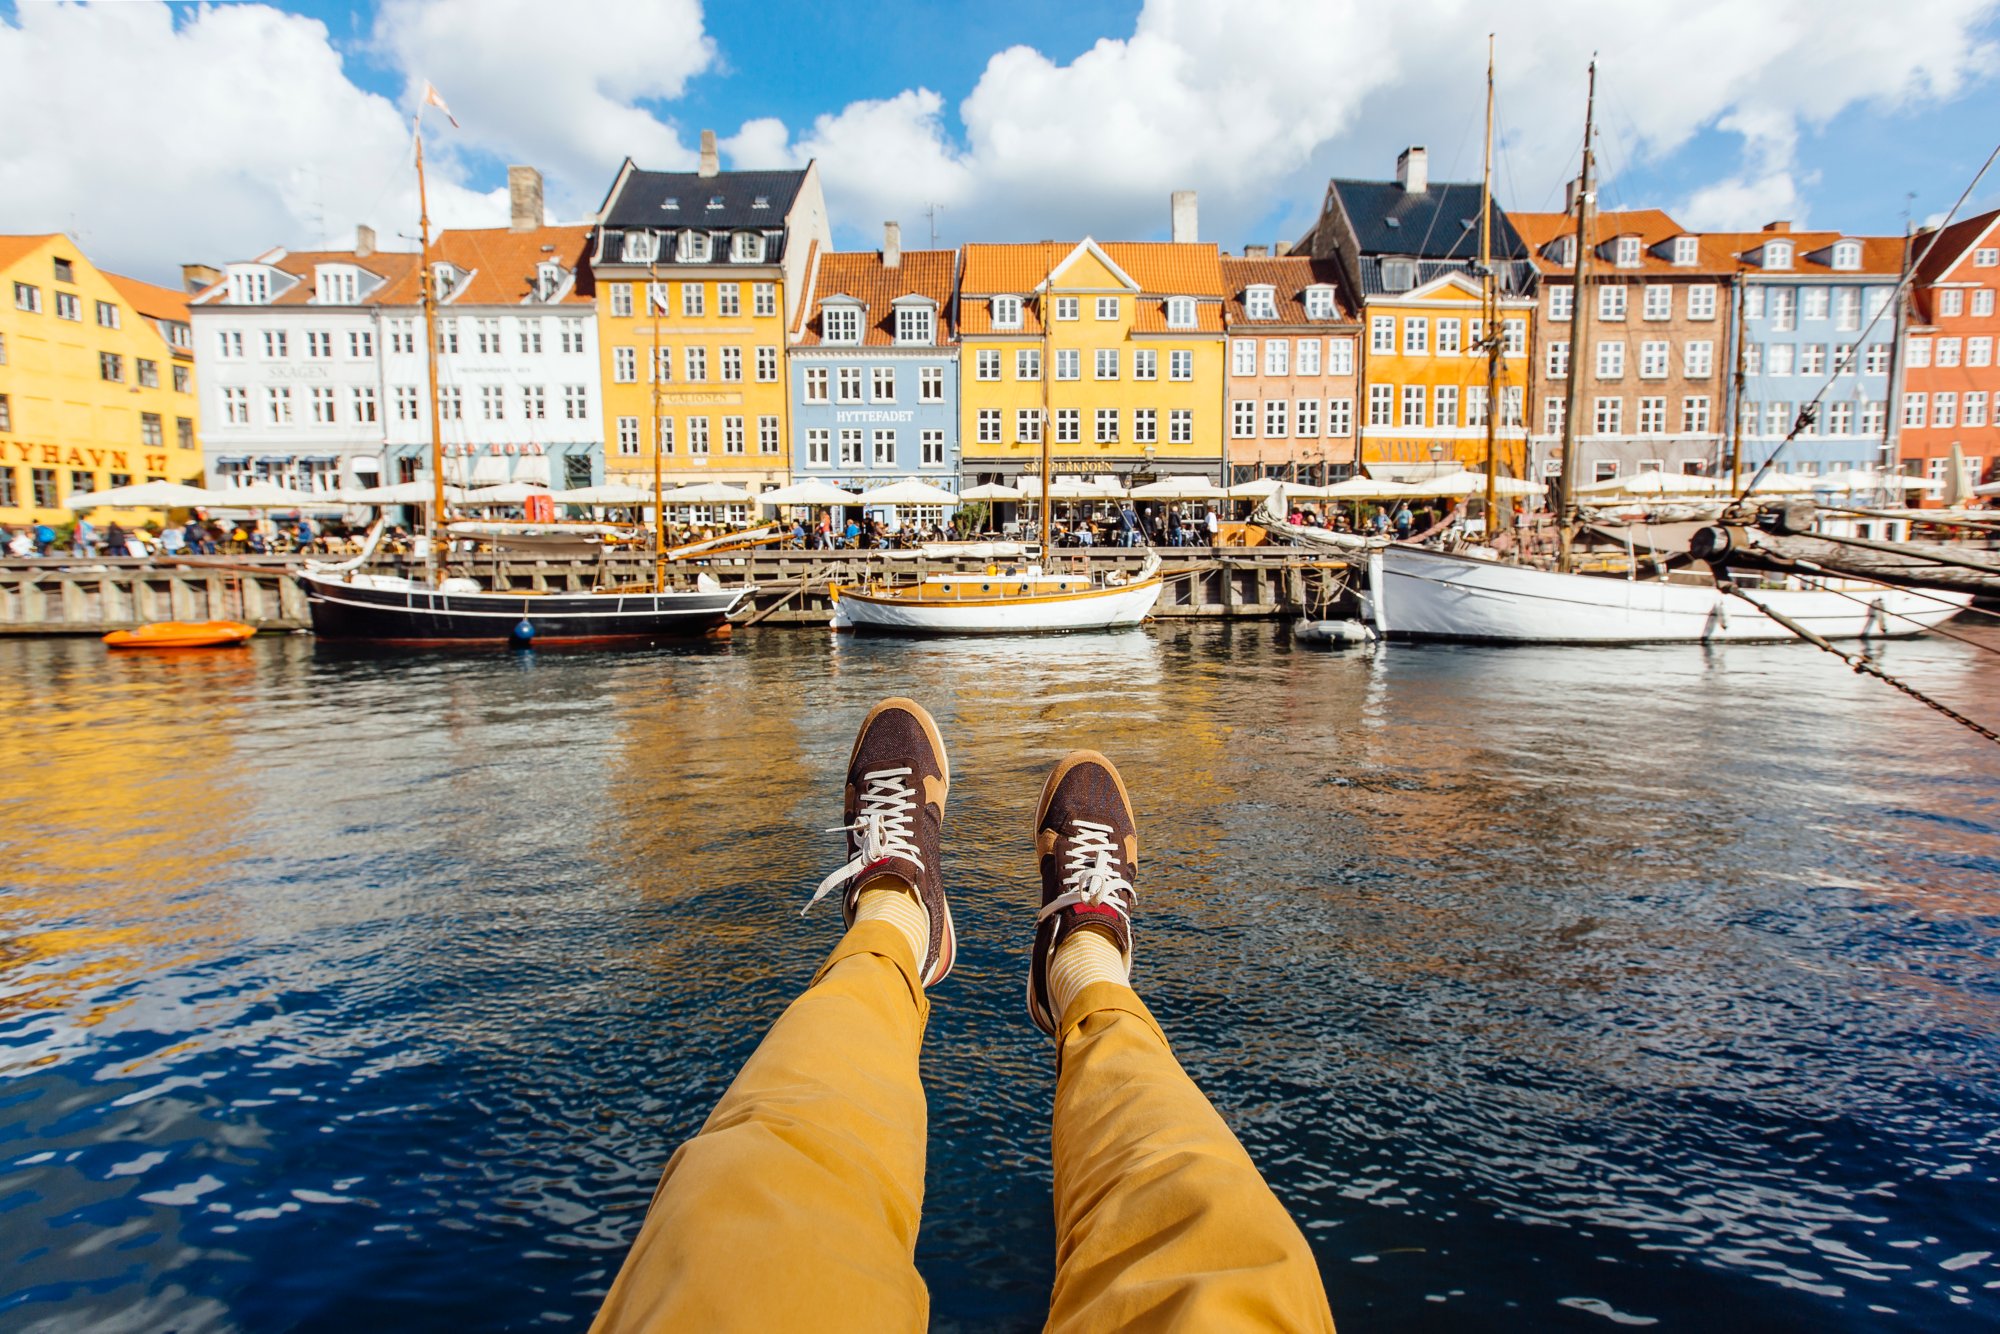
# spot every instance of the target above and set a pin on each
(1950, 245)
(1164, 268)
(1149, 315)
(1288, 276)
(1651, 225)
(975, 316)
(862, 275)
(1879, 254)
(13, 248)
(151, 299)
(502, 264)
(387, 264)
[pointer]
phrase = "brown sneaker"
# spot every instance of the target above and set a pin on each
(1087, 845)
(897, 778)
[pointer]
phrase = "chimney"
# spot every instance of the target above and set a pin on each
(1782, 225)
(1281, 248)
(892, 245)
(524, 199)
(1569, 193)
(1256, 252)
(364, 241)
(1413, 169)
(194, 277)
(711, 165)
(1184, 217)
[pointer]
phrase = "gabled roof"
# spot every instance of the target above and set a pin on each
(1161, 268)
(1652, 226)
(1288, 276)
(150, 299)
(1441, 222)
(1950, 245)
(638, 198)
(862, 276)
(501, 263)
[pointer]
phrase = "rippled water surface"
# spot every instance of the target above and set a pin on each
(1551, 989)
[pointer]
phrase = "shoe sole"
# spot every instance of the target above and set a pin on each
(948, 941)
(1069, 762)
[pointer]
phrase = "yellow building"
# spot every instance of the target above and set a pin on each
(706, 268)
(1125, 338)
(96, 382)
(1424, 365)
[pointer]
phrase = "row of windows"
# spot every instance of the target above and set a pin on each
(1417, 339)
(881, 382)
(1106, 424)
(694, 299)
(1978, 351)
(696, 432)
(1656, 301)
(695, 365)
(322, 404)
(1414, 405)
(1840, 418)
(691, 247)
(842, 324)
(1284, 419)
(1006, 310)
(1105, 363)
(145, 372)
(477, 335)
(1950, 302)
(69, 306)
(1941, 410)
(1785, 307)
(1655, 359)
(152, 426)
(882, 446)
(43, 485)
(1811, 358)
(1278, 359)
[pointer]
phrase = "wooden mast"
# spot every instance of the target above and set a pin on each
(425, 286)
(1740, 382)
(1579, 333)
(659, 509)
(1490, 307)
(1048, 422)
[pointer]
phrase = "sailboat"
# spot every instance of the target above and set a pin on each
(349, 604)
(1422, 592)
(1015, 598)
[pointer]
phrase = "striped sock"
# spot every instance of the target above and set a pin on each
(889, 900)
(1088, 955)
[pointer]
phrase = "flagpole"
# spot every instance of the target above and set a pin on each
(431, 357)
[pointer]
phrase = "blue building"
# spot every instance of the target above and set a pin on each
(874, 371)
(1811, 302)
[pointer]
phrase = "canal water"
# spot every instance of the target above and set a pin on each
(1551, 989)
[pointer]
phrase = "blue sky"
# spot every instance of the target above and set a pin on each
(1031, 119)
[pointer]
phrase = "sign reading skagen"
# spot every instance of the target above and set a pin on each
(874, 415)
(299, 372)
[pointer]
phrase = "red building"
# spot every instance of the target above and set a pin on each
(1951, 384)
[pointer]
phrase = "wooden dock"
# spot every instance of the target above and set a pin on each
(62, 596)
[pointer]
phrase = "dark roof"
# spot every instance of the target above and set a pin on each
(640, 202)
(1516, 276)
(1440, 223)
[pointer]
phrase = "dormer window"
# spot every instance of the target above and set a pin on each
(1006, 312)
(1563, 250)
(1180, 312)
(694, 248)
(840, 324)
(1687, 251)
(915, 324)
(715, 201)
(1260, 303)
(336, 286)
(761, 201)
(747, 248)
(1319, 302)
(250, 287)
(639, 248)
(548, 280)
(1398, 275)
(1847, 254)
(1625, 251)
(444, 280)
(671, 203)
(1777, 255)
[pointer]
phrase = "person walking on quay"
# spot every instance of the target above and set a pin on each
(1403, 521)
(83, 538)
(45, 540)
(1212, 524)
(796, 1206)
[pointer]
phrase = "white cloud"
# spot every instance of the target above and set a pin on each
(239, 127)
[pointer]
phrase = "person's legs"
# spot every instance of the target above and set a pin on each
(1162, 1220)
(796, 1206)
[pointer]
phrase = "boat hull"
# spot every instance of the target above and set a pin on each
(1416, 593)
(1094, 609)
(181, 635)
(419, 615)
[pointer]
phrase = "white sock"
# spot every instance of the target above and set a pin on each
(1088, 955)
(891, 901)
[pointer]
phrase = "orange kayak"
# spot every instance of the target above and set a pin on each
(181, 634)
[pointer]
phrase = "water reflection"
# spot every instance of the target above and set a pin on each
(1552, 987)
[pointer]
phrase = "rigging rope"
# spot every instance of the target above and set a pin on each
(1860, 664)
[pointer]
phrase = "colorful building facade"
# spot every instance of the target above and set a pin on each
(1293, 363)
(1121, 342)
(874, 369)
(698, 277)
(1656, 364)
(1950, 383)
(97, 382)
(1409, 248)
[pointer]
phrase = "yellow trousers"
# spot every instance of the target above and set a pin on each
(796, 1206)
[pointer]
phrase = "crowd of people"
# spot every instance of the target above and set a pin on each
(198, 536)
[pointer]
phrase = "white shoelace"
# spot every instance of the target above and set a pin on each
(884, 820)
(1092, 877)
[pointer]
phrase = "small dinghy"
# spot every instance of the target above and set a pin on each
(182, 634)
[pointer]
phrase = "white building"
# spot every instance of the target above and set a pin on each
(321, 380)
